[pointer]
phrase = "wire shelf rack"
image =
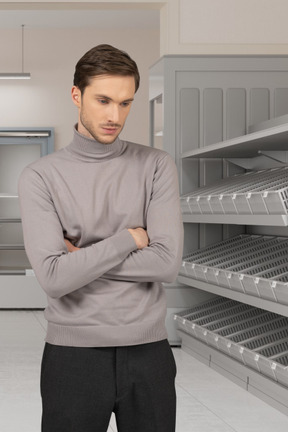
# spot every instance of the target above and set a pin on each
(253, 336)
(252, 264)
(257, 192)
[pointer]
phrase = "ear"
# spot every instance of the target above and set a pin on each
(76, 96)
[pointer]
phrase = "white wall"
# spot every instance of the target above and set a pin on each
(186, 27)
(224, 27)
(201, 26)
(50, 56)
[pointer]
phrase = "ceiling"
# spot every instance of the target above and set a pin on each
(81, 16)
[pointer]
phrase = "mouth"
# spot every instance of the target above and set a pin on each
(110, 130)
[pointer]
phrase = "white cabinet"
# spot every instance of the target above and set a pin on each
(18, 285)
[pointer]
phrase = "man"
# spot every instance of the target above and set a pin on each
(102, 230)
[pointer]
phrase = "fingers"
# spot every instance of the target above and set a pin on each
(70, 246)
(140, 237)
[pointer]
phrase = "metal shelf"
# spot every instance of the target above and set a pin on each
(4, 247)
(253, 265)
(16, 271)
(249, 379)
(253, 336)
(7, 220)
(265, 220)
(220, 107)
(271, 139)
(261, 197)
(235, 295)
(14, 261)
(12, 271)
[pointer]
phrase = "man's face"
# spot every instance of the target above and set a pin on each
(104, 106)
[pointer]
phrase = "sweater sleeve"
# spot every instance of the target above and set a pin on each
(160, 261)
(58, 271)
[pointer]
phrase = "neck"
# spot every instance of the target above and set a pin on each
(90, 149)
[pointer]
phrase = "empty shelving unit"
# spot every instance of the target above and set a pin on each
(225, 123)
(255, 337)
(253, 193)
(18, 147)
(251, 264)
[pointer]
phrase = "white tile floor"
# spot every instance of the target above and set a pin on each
(206, 400)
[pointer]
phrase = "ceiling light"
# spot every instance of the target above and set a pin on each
(19, 75)
(15, 76)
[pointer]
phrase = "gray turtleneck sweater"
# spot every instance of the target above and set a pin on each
(108, 293)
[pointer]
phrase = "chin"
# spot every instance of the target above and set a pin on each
(107, 141)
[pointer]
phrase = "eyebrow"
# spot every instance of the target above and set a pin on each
(110, 99)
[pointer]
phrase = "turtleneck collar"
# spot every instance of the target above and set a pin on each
(91, 150)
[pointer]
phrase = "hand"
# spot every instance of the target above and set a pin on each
(140, 236)
(70, 246)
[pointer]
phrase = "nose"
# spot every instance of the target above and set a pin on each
(113, 115)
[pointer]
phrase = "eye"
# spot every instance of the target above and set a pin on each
(103, 101)
(125, 104)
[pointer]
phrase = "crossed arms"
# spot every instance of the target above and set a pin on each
(139, 235)
(149, 254)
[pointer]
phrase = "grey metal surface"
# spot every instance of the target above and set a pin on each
(210, 105)
(253, 336)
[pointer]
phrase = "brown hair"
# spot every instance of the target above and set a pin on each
(104, 60)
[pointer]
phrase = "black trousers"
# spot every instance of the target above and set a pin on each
(81, 387)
